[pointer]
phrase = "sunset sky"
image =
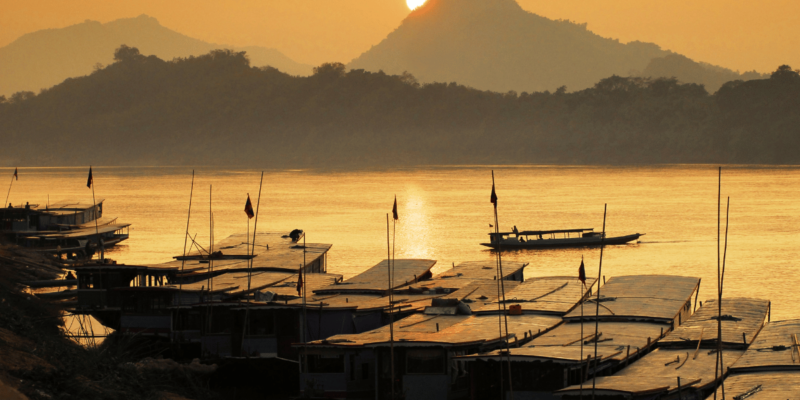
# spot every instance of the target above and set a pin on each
(737, 34)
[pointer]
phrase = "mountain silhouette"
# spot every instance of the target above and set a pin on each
(496, 45)
(45, 58)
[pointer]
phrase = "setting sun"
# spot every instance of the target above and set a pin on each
(413, 4)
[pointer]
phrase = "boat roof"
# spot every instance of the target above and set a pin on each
(619, 387)
(442, 330)
(773, 385)
(641, 297)
(563, 344)
(272, 251)
(62, 207)
(658, 372)
(375, 279)
(545, 232)
(748, 317)
(550, 294)
(74, 233)
(773, 349)
(481, 270)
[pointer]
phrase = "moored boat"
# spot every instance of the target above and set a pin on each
(555, 238)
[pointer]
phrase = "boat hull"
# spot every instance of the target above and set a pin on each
(569, 242)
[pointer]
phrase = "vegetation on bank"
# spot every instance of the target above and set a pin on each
(217, 110)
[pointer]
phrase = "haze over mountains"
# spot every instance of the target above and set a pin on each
(496, 45)
(45, 58)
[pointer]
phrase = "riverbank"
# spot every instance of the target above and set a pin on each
(37, 360)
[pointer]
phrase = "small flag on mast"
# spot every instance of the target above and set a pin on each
(582, 273)
(493, 199)
(300, 281)
(248, 208)
(90, 180)
(16, 176)
(394, 209)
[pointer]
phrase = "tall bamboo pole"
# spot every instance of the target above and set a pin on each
(391, 305)
(503, 317)
(597, 310)
(186, 234)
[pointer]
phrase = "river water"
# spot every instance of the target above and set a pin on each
(445, 213)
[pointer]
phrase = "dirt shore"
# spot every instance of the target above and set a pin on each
(37, 360)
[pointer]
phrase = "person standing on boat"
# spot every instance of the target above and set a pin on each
(516, 232)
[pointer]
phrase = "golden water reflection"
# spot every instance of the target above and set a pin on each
(445, 212)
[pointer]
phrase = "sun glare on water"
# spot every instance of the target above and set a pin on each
(413, 4)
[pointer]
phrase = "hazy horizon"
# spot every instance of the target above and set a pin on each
(743, 36)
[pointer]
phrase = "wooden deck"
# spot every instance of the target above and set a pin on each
(375, 279)
(749, 317)
(776, 385)
(774, 349)
(547, 295)
(642, 297)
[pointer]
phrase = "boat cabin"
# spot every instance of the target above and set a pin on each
(35, 217)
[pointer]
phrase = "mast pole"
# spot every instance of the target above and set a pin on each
(718, 367)
(9, 191)
(580, 299)
(597, 309)
(96, 227)
(502, 299)
(391, 305)
(186, 234)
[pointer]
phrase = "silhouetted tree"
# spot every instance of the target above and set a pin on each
(126, 53)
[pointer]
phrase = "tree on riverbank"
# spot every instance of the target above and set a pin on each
(217, 110)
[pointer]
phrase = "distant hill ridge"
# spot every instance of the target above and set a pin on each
(496, 45)
(45, 58)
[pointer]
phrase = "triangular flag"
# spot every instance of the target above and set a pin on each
(394, 209)
(582, 273)
(16, 176)
(493, 199)
(300, 281)
(248, 208)
(90, 180)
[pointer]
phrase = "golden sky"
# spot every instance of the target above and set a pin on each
(737, 34)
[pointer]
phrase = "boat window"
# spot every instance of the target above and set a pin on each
(425, 361)
(261, 323)
(326, 364)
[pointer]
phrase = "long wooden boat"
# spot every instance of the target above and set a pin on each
(555, 238)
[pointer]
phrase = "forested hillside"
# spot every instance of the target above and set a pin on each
(217, 110)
